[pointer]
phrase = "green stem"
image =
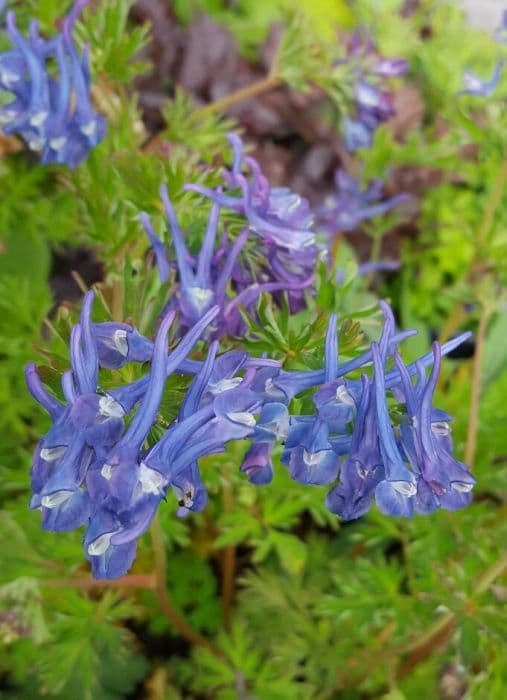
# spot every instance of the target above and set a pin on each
(186, 631)
(457, 314)
(475, 394)
(492, 205)
(260, 86)
(376, 247)
(228, 562)
(439, 632)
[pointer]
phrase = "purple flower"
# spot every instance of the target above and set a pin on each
(357, 134)
(373, 102)
(119, 343)
(91, 470)
(353, 204)
(442, 481)
(363, 468)
(86, 468)
(54, 117)
(277, 214)
(473, 85)
(391, 67)
(257, 464)
(202, 282)
(394, 494)
(281, 219)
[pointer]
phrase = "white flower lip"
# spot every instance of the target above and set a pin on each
(110, 408)
(100, 545)
(51, 454)
(56, 499)
(406, 488)
(151, 480)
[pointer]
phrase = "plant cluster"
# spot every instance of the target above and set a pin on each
(233, 334)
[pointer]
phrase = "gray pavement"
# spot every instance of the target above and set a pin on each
(485, 14)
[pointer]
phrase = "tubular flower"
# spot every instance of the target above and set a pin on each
(351, 205)
(205, 280)
(407, 468)
(473, 85)
(90, 469)
(373, 101)
(282, 220)
(87, 461)
(53, 115)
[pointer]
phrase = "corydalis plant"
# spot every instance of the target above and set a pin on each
(93, 469)
(52, 113)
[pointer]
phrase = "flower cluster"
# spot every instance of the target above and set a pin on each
(53, 114)
(373, 100)
(282, 221)
(90, 469)
(222, 275)
(94, 468)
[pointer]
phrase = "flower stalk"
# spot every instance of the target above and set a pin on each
(270, 82)
(186, 631)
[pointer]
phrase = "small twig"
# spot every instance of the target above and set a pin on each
(186, 631)
(228, 564)
(260, 86)
(79, 281)
(139, 580)
(441, 631)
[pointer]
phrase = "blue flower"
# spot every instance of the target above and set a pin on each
(373, 103)
(473, 85)
(442, 481)
(353, 204)
(357, 134)
(54, 117)
(257, 464)
(283, 222)
(202, 283)
(119, 343)
(394, 494)
(363, 469)
(91, 470)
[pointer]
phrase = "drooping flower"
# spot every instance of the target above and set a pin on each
(87, 438)
(442, 481)
(352, 204)
(89, 469)
(363, 468)
(309, 453)
(283, 222)
(53, 115)
(372, 97)
(473, 85)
